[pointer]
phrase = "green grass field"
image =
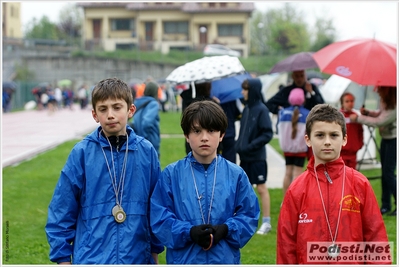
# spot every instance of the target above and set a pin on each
(28, 188)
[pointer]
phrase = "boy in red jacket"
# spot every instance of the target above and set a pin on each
(330, 207)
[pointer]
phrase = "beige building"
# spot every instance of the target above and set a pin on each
(12, 27)
(163, 26)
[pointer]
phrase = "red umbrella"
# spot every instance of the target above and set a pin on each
(298, 61)
(365, 61)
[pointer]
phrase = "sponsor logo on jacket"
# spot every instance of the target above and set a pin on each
(303, 218)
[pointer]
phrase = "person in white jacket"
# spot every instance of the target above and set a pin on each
(291, 136)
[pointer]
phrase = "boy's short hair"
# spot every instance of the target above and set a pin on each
(111, 88)
(326, 113)
(207, 114)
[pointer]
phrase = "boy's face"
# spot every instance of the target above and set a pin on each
(112, 114)
(204, 143)
(348, 102)
(326, 141)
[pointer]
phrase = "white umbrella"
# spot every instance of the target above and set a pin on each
(206, 69)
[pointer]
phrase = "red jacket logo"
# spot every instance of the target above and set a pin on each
(351, 203)
(303, 218)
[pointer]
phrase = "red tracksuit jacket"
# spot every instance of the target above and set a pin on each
(302, 218)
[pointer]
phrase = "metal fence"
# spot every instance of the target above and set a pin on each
(22, 94)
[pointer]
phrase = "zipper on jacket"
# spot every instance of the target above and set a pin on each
(117, 143)
(328, 177)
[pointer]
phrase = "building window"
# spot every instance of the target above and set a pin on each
(122, 25)
(230, 30)
(124, 46)
(175, 27)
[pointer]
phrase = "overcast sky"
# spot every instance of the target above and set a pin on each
(367, 19)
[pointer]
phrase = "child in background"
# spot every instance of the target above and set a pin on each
(255, 132)
(291, 136)
(329, 203)
(99, 213)
(146, 118)
(204, 210)
(354, 130)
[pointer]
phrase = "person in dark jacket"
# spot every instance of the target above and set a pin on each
(280, 99)
(233, 110)
(255, 132)
(100, 209)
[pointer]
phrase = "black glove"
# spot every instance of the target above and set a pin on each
(201, 234)
(219, 232)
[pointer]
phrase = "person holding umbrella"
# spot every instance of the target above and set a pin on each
(312, 93)
(385, 119)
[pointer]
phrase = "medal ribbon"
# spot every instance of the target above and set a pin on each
(117, 186)
(199, 197)
(324, 207)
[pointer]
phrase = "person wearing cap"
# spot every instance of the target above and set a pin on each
(146, 118)
(291, 133)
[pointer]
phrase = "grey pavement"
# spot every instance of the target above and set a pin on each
(26, 134)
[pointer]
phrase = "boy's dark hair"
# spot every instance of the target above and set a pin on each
(207, 114)
(111, 88)
(326, 113)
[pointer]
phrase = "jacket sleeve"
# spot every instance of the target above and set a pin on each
(265, 132)
(315, 99)
(378, 119)
(373, 230)
(63, 211)
(280, 99)
(172, 232)
(156, 245)
(244, 223)
(287, 231)
(148, 119)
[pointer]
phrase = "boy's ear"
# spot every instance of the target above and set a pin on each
(345, 141)
(132, 110)
(94, 114)
(307, 140)
(221, 137)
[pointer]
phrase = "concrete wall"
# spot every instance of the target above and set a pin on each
(92, 70)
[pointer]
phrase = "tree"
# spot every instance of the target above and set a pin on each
(283, 31)
(325, 33)
(71, 18)
(42, 29)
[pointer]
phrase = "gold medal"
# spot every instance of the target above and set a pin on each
(119, 214)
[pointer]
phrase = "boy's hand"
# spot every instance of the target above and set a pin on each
(201, 234)
(219, 232)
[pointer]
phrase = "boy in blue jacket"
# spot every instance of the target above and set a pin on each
(99, 213)
(204, 210)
